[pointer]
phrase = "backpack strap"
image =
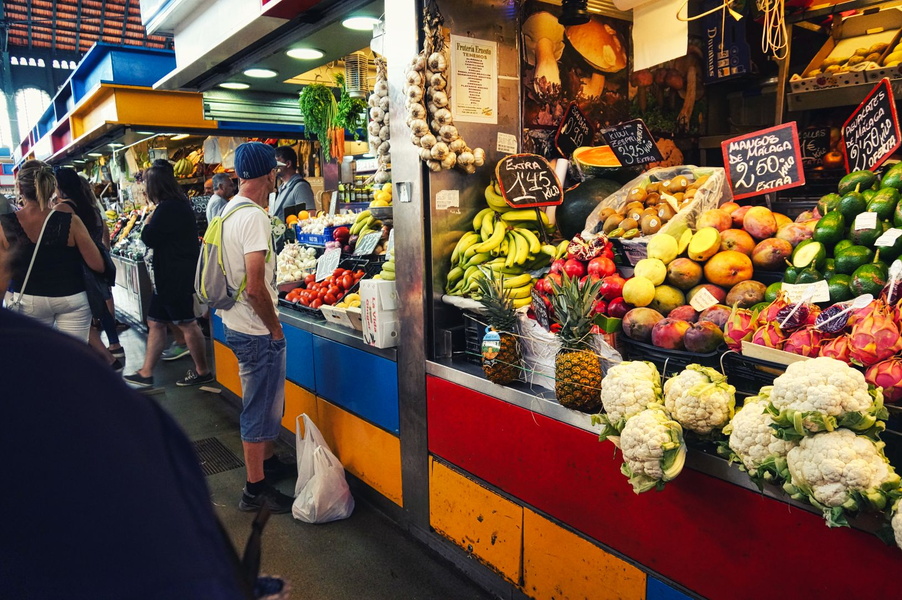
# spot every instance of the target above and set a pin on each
(243, 285)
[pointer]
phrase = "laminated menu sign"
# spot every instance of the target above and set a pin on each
(632, 143)
(474, 80)
(871, 134)
(574, 131)
(764, 161)
(815, 143)
(327, 263)
(528, 180)
(367, 243)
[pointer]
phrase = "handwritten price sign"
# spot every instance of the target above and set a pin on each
(632, 143)
(528, 180)
(764, 161)
(574, 131)
(815, 144)
(871, 134)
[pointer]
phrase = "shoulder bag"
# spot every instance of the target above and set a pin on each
(16, 303)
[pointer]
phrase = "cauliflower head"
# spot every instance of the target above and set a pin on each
(822, 394)
(627, 389)
(653, 449)
(753, 443)
(841, 471)
(700, 399)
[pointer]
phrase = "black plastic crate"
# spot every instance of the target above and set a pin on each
(669, 362)
(748, 375)
(370, 266)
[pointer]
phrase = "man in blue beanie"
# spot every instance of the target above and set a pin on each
(252, 326)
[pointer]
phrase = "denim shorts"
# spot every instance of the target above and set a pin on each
(261, 367)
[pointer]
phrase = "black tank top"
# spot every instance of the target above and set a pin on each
(57, 268)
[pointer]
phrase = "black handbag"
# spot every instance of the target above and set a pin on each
(97, 285)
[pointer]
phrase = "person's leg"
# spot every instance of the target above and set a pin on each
(194, 338)
(108, 324)
(72, 315)
(156, 339)
(177, 335)
(100, 348)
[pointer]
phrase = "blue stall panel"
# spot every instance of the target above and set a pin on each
(300, 357)
(360, 382)
(217, 329)
(658, 590)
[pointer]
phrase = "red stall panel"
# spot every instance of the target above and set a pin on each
(713, 537)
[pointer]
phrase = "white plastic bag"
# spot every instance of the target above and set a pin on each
(321, 492)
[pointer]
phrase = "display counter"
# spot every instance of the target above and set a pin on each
(133, 289)
(348, 388)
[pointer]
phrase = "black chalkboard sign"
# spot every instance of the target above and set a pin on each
(871, 134)
(574, 131)
(540, 310)
(528, 180)
(815, 142)
(632, 143)
(764, 161)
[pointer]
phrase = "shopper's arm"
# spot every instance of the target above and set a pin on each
(82, 240)
(258, 294)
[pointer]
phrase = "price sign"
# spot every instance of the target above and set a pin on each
(703, 299)
(815, 142)
(333, 204)
(764, 161)
(888, 238)
(865, 220)
(815, 292)
(367, 243)
(327, 263)
(574, 131)
(871, 134)
(632, 143)
(528, 180)
(540, 310)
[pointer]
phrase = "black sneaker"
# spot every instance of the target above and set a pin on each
(192, 378)
(277, 502)
(279, 471)
(138, 380)
(118, 352)
(117, 365)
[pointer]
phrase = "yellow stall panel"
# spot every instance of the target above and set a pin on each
(483, 523)
(369, 453)
(297, 402)
(560, 565)
(227, 368)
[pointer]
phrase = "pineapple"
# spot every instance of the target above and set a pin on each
(499, 312)
(577, 369)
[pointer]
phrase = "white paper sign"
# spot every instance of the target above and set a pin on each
(796, 291)
(865, 220)
(446, 199)
(888, 238)
(327, 263)
(367, 243)
(474, 80)
(703, 299)
(390, 244)
(507, 143)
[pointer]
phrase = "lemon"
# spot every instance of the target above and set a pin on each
(387, 187)
(652, 269)
(663, 247)
(638, 291)
(377, 203)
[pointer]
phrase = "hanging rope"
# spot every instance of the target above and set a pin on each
(774, 38)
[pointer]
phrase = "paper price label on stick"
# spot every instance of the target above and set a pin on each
(888, 238)
(815, 292)
(703, 299)
(327, 263)
(865, 220)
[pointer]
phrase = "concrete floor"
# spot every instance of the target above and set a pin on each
(364, 556)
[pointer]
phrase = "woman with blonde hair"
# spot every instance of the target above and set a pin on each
(46, 249)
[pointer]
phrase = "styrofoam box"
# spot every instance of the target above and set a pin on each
(379, 304)
(859, 31)
(346, 317)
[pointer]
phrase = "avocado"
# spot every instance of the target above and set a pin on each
(867, 237)
(849, 259)
(809, 275)
(841, 245)
(790, 274)
(770, 294)
(830, 229)
(857, 181)
(884, 203)
(851, 204)
(839, 288)
(809, 253)
(827, 203)
(869, 279)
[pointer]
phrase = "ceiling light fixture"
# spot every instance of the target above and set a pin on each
(178, 137)
(146, 132)
(234, 85)
(115, 145)
(261, 73)
(305, 53)
(360, 23)
(95, 154)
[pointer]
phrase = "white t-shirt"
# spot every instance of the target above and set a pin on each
(247, 230)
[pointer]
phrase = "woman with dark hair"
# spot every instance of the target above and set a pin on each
(170, 231)
(76, 196)
(46, 251)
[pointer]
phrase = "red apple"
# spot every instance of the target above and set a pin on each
(612, 287)
(574, 268)
(618, 307)
(601, 266)
(557, 266)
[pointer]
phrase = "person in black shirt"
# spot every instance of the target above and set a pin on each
(171, 233)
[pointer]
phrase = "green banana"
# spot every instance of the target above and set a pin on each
(496, 238)
(562, 248)
(454, 274)
(477, 259)
(466, 240)
(477, 220)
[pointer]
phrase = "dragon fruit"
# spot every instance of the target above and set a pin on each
(805, 342)
(839, 348)
(887, 374)
(770, 313)
(769, 335)
(875, 337)
(739, 327)
(863, 313)
(793, 316)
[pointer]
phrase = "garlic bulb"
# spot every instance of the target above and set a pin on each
(443, 116)
(465, 158)
(415, 93)
(448, 133)
(414, 78)
(440, 99)
(449, 161)
(437, 82)
(437, 62)
(376, 114)
(440, 151)
(428, 141)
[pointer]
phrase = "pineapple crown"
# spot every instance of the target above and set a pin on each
(573, 301)
(495, 298)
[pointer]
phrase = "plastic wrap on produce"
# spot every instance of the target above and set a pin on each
(711, 194)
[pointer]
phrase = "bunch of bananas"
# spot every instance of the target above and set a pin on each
(364, 224)
(503, 240)
(183, 168)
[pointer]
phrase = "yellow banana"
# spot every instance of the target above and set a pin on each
(495, 200)
(469, 252)
(562, 248)
(478, 259)
(526, 214)
(477, 220)
(549, 249)
(521, 302)
(524, 291)
(535, 246)
(505, 247)
(517, 281)
(522, 248)
(495, 240)
(486, 228)
(363, 214)
(511, 254)
(466, 240)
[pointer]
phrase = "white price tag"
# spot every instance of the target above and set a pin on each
(816, 292)
(367, 244)
(507, 143)
(888, 238)
(446, 199)
(703, 299)
(390, 244)
(327, 263)
(865, 220)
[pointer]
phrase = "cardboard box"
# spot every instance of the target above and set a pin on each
(379, 308)
(858, 31)
(346, 317)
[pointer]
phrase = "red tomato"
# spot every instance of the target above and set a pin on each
(329, 299)
(333, 289)
(321, 294)
(359, 274)
(347, 280)
(310, 278)
(338, 272)
(316, 303)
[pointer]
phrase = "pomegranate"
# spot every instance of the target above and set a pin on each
(574, 268)
(601, 266)
(612, 287)
(618, 308)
